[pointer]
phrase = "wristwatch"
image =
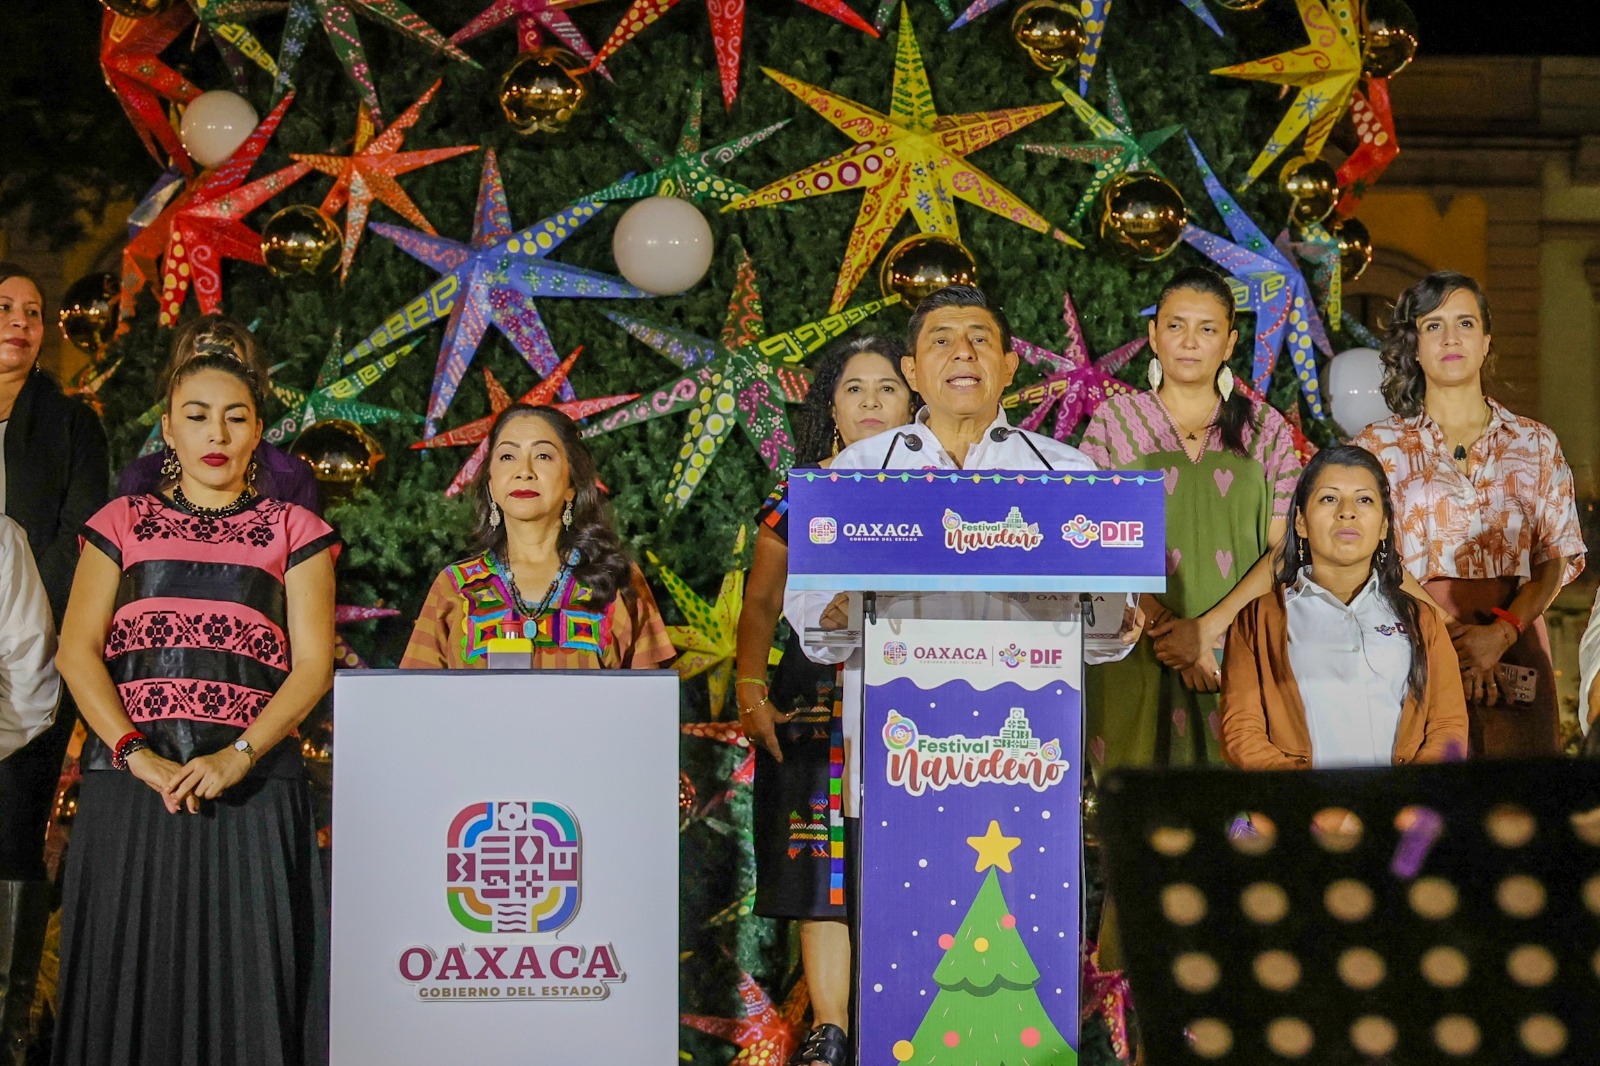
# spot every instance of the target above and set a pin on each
(244, 745)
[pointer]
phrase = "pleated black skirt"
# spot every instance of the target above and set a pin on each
(193, 940)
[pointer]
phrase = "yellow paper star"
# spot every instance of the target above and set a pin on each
(1326, 70)
(994, 849)
(707, 643)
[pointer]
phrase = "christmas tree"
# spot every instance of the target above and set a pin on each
(987, 1011)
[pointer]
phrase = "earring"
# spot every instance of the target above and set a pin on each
(838, 441)
(1380, 555)
(1304, 552)
(171, 469)
(1225, 383)
(494, 515)
(1154, 373)
(566, 516)
(250, 476)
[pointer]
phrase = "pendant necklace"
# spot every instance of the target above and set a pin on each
(523, 606)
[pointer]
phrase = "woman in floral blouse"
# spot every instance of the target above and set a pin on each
(1487, 518)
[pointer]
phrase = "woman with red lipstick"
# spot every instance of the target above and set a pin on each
(1338, 665)
(54, 473)
(198, 636)
(1487, 518)
(858, 391)
(551, 566)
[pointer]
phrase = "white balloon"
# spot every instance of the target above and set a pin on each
(662, 245)
(1353, 384)
(214, 125)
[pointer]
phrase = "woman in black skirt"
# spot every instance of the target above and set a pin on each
(198, 635)
(858, 392)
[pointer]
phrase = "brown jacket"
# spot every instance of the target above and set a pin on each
(1264, 721)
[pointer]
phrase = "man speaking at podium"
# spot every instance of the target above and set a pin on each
(960, 362)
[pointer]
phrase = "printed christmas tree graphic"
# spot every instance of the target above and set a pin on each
(987, 1011)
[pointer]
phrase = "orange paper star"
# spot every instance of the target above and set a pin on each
(765, 1035)
(368, 173)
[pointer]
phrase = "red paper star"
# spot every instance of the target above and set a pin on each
(477, 431)
(1374, 120)
(727, 31)
(765, 1035)
(369, 173)
(532, 17)
(141, 256)
(205, 227)
(728, 733)
(130, 51)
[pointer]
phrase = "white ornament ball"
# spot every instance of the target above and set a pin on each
(214, 125)
(663, 245)
(1353, 385)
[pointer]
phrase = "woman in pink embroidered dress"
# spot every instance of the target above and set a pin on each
(1488, 520)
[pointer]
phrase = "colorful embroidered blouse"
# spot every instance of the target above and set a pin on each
(470, 602)
(1512, 509)
(200, 629)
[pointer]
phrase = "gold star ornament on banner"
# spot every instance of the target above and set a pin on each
(912, 159)
(1326, 70)
(993, 848)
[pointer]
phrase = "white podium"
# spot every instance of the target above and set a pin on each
(505, 869)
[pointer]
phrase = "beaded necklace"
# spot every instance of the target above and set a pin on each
(243, 500)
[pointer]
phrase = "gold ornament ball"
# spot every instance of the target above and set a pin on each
(342, 454)
(542, 90)
(1142, 215)
(1314, 187)
(1239, 5)
(137, 9)
(89, 312)
(1355, 247)
(925, 263)
(300, 243)
(1052, 34)
(1391, 39)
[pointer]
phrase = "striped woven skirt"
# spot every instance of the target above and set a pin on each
(193, 940)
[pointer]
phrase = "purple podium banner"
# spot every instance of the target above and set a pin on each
(970, 903)
(991, 531)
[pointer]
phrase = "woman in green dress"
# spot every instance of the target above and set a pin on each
(1230, 469)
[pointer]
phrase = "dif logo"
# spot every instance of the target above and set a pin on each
(513, 867)
(824, 530)
(1081, 532)
(894, 652)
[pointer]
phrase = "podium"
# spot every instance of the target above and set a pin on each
(979, 592)
(505, 885)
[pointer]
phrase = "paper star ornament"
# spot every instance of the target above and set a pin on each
(334, 396)
(1267, 284)
(207, 223)
(912, 159)
(765, 1035)
(336, 18)
(368, 173)
(687, 172)
(1075, 384)
(343, 654)
(476, 432)
(494, 279)
(731, 733)
(1115, 149)
(130, 59)
(1316, 247)
(1325, 71)
(727, 31)
(706, 643)
(149, 226)
(980, 7)
(742, 380)
(1374, 121)
(221, 19)
(534, 18)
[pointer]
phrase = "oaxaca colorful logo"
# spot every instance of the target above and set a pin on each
(894, 652)
(824, 530)
(514, 867)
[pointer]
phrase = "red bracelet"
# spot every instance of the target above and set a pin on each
(1510, 619)
(119, 754)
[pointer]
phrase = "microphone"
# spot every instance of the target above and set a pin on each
(999, 434)
(913, 444)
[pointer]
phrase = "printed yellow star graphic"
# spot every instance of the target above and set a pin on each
(993, 849)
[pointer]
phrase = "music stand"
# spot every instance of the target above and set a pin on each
(1435, 914)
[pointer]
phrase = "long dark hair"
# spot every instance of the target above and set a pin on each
(1385, 563)
(603, 563)
(1403, 383)
(814, 425)
(1236, 410)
